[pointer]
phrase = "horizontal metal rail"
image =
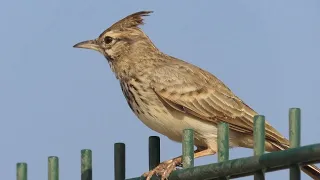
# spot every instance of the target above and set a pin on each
(248, 166)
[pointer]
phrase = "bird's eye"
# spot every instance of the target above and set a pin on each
(108, 39)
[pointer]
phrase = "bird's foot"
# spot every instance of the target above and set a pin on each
(164, 169)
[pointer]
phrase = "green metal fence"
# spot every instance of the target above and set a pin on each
(256, 165)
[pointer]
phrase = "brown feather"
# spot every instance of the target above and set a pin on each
(131, 21)
(206, 100)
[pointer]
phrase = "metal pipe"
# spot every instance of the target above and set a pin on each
(223, 144)
(22, 173)
(187, 148)
(86, 164)
(154, 152)
(53, 168)
(259, 141)
(244, 166)
(295, 138)
(119, 161)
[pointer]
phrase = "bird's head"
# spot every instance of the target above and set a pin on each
(124, 38)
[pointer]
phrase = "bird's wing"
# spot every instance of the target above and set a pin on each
(194, 91)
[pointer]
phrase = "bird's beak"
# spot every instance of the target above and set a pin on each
(90, 44)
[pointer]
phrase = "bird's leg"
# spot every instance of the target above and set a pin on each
(165, 168)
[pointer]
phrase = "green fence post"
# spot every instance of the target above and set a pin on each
(295, 137)
(22, 173)
(223, 143)
(187, 148)
(86, 164)
(119, 161)
(259, 141)
(53, 168)
(154, 152)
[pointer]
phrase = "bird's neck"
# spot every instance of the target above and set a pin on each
(129, 66)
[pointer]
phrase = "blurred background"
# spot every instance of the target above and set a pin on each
(57, 100)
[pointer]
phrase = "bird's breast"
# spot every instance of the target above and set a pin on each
(153, 113)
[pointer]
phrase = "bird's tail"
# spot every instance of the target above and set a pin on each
(311, 170)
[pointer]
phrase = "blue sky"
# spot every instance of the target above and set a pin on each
(57, 100)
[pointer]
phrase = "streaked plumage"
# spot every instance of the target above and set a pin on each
(169, 95)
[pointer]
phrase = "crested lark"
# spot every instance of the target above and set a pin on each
(169, 95)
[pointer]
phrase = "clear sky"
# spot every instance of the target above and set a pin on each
(57, 100)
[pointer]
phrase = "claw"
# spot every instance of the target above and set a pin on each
(164, 169)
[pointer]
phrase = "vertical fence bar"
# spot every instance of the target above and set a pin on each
(187, 148)
(295, 137)
(119, 161)
(22, 173)
(53, 168)
(223, 143)
(86, 164)
(154, 152)
(259, 141)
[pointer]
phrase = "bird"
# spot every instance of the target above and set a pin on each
(169, 95)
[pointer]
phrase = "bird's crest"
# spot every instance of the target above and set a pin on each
(131, 21)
